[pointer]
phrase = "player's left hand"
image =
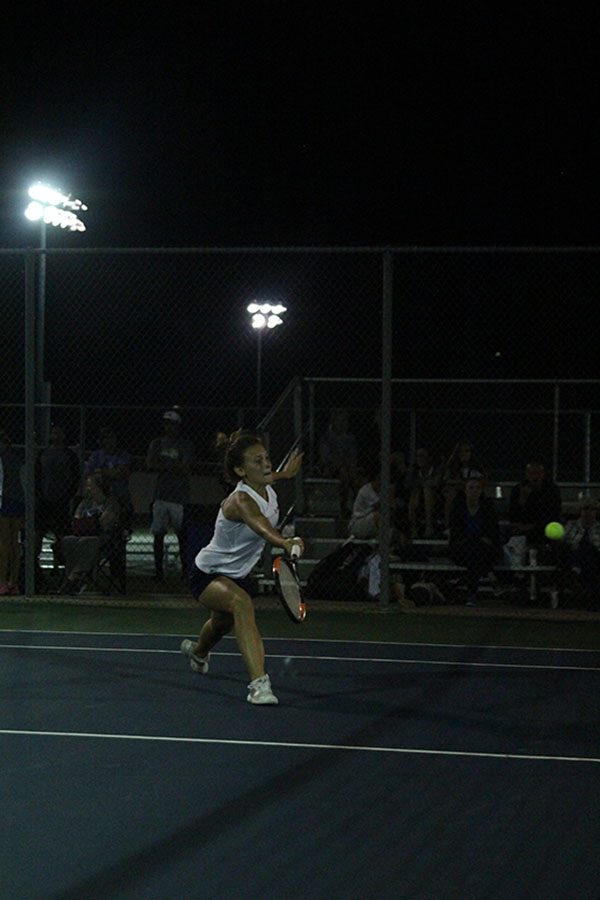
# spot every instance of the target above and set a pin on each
(293, 464)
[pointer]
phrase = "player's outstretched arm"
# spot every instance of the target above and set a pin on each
(241, 507)
(291, 468)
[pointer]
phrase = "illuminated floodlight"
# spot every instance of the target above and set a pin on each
(54, 207)
(266, 308)
(263, 315)
(35, 211)
(45, 194)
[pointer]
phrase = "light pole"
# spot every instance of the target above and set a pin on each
(264, 315)
(48, 207)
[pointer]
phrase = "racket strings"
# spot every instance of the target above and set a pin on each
(289, 585)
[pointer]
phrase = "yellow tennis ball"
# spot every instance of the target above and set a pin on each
(554, 531)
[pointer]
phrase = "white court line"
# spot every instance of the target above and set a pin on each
(296, 745)
(290, 656)
(314, 640)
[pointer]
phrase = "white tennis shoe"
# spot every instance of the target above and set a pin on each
(197, 663)
(259, 692)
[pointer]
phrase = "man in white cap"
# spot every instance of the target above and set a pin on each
(172, 458)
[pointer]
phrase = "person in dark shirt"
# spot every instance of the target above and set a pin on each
(475, 540)
(172, 457)
(461, 465)
(113, 464)
(534, 502)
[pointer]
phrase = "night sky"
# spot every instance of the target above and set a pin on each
(278, 123)
(314, 124)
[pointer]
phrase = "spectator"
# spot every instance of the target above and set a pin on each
(57, 485)
(114, 465)
(93, 526)
(12, 510)
(338, 455)
(579, 553)
(460, 466)
(364, 521)
(423, 485)
(533, 503)
(475, 540)
(172, 458)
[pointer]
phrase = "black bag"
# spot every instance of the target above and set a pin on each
(335, 577)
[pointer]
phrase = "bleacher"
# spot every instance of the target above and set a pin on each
(323, 530)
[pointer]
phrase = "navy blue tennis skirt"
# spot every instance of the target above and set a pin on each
(200, 580)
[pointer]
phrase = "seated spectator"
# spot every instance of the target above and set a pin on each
(579, 553)
(57, 486)
(12, 511)
(475, 540)
(94, 525)
(423, 486)
(114, 465)
(364, 521)
(338, 457)
(461, 465)
(534, 502)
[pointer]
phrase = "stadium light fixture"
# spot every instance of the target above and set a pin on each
(48, 206)
(264, 315)
(52, 207)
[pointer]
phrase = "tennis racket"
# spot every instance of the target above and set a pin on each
(287, 582)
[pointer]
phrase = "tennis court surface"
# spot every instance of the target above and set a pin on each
(389, 770)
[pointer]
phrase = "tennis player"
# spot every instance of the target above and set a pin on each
(245, 523)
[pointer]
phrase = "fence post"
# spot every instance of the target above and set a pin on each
(30, 416)
(587, 449)
(311, 427)
(82, 418)
(298, 481)
(555, 432)
(386, 428)
(412, 439)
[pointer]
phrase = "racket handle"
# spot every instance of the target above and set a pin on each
(295, 551)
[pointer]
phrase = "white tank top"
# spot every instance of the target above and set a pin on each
(235, 549)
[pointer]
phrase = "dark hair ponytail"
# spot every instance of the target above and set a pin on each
(239, 441)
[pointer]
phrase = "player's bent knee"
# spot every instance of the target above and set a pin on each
(242, 606)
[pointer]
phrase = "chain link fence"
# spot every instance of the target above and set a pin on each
(488, 347)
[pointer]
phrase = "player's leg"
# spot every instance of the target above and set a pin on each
(219, 624)
(225, 596)
(198, 652)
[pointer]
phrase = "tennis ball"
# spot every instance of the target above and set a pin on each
(554, 531)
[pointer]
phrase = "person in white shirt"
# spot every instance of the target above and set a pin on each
(246, 521)
(364, 522)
